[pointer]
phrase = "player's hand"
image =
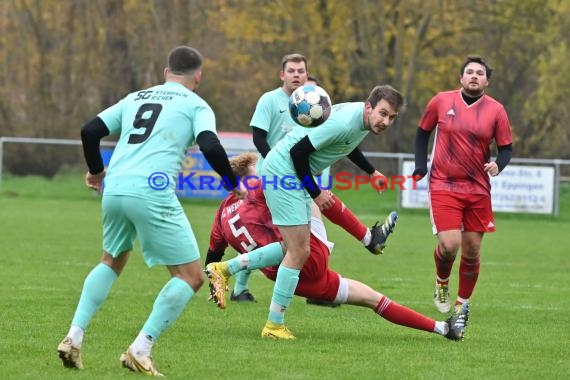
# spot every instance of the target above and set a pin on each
(491, 168)
(324, 200)
(95, 181)
(419, 173)
(379, 181)
(240, 193)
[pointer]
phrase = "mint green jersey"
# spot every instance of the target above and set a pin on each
(272, 115)
(334, 139)
(156, 126)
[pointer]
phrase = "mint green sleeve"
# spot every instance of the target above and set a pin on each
(204, 119)
(113, 117)
(262, 115)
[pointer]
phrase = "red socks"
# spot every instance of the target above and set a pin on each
(341, 215)
(468, 274)
(403, 316)
(442, 266)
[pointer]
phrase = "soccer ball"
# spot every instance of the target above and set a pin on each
(310, 105)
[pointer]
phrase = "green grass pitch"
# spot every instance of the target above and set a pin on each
(50, 238)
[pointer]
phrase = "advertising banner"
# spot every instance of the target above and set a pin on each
(519, 188)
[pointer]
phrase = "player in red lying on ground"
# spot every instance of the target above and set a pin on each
(373, 238)
(246, 226)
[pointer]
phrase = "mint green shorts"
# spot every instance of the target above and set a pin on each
(289, 205)
(164, 232)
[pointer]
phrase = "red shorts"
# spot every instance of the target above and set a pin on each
(465, 212)
(316, 280)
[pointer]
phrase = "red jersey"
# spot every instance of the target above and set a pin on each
(244, 224)
(461, 145)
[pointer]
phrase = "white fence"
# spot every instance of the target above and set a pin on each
(533, 186)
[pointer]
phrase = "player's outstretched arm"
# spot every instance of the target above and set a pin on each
(357, 157)
(216, 156)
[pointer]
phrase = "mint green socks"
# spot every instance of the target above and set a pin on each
(96, 288)
(285, 284)
(267, 256)
(167, 307)
(242, 279)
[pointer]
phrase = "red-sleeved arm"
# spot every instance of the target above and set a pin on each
(429, 119)
(217, 241)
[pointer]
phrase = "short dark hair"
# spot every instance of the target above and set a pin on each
(388, 93)
(479, 60)
(313, 79)
(294, 57)
(184, 60)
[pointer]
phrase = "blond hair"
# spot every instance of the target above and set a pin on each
(240, 164)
